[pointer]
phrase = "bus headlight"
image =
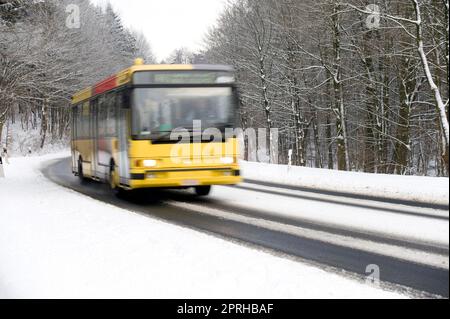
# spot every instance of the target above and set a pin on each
(149, 163)
(227, 160)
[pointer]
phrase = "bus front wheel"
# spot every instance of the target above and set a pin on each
(80, 171)
(203, 190)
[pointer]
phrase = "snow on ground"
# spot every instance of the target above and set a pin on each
(21, 139)
(414, 188)
(56, 243)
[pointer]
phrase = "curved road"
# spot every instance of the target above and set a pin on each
(412, 266)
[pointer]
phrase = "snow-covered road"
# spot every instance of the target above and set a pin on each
(55, 242)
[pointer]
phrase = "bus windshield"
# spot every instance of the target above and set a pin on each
(159, 111)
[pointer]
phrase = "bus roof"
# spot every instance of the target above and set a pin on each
(125, 77)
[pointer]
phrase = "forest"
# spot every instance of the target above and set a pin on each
(353, 85)
(46, 55)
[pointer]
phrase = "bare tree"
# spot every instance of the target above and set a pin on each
(339, 90)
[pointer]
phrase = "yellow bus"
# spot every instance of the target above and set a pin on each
(139, 128)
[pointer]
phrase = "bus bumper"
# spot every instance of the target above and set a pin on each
(185, 178)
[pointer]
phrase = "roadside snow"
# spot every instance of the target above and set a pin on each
(55, 243)
(351, 215)
(412, 188)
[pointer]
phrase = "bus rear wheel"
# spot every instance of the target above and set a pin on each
(203, 190)
(112, 176)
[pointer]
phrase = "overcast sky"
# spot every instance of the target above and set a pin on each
(169, 24)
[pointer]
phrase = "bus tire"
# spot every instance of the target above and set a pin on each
(203, 190)
(80, 170)
(112, 176)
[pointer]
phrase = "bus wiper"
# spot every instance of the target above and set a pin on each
(168, 134)
(193, 134)
(222, 124)
(162, 137)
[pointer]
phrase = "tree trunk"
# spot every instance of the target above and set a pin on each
(402, 146)
(318, 157)
(1, 131)
(339, 106)
(44, 123)
(330, 144)
(440, 106)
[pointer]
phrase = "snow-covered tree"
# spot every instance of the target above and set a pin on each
(43, 61)
(181, 56)
(349, 86)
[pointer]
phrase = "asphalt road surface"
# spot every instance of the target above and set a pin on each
(415, 267)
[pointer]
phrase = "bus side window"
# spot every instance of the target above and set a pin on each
(85, 120)
(93, 118)
(121, 102)
(101, 118)
(74, 122)
(81, 122)
(111, 114)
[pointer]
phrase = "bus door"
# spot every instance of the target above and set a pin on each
(123, 132)
(94, 135)
(75, 120)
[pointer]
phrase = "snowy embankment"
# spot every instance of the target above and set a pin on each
(56, 243)
(430, 190)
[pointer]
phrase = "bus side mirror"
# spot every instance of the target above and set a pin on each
(126, 100)
(236, 98)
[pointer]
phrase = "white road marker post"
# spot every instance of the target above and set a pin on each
(2, 172)
(290, 160)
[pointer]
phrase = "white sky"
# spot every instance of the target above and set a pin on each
(169, 24)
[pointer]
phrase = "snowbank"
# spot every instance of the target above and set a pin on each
(56, 243)
(430, 190)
